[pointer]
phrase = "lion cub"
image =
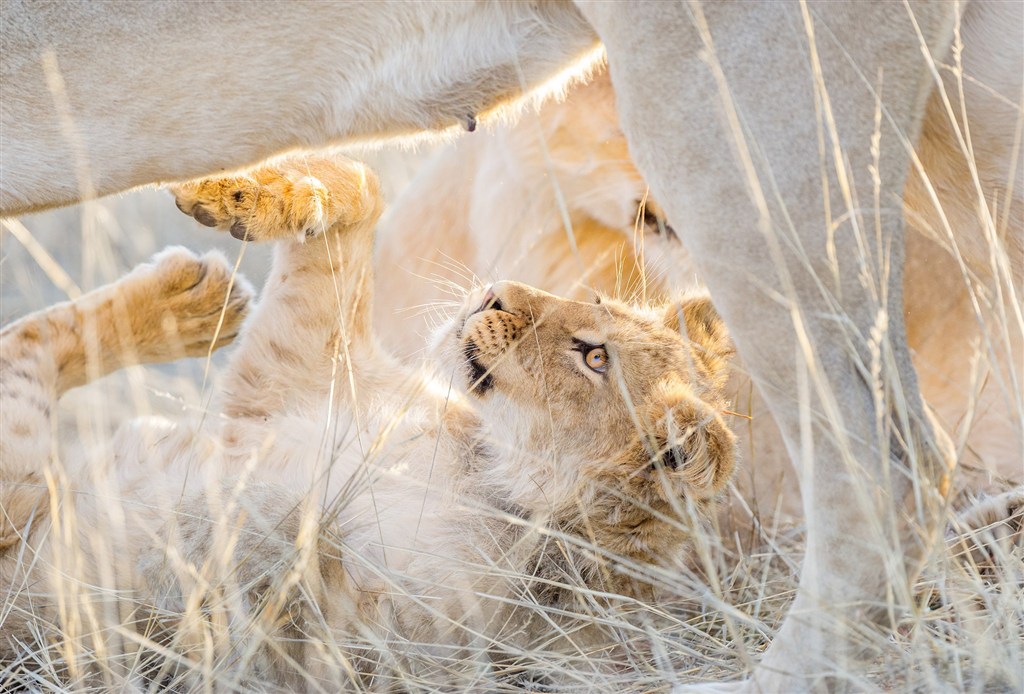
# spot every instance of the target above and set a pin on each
(348, 516)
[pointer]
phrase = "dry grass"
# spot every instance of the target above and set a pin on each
(963, 629)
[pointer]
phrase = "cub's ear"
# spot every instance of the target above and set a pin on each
(697, 320)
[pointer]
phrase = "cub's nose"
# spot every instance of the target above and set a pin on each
(491, 302)
(516, 298)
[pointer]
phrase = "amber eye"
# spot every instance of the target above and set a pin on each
(597, 359)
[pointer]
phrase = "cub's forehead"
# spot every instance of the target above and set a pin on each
(632, 330)
(626, 327)
(597, 323)
(627, 323)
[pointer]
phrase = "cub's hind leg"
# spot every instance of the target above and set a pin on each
(179, 305)
(312, 326)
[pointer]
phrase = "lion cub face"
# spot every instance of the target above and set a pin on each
(585, 405)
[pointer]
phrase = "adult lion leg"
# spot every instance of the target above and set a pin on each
(756, 126)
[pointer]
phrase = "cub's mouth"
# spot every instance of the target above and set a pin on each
(480, 380)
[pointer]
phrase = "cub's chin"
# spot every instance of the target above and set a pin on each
(445, 348)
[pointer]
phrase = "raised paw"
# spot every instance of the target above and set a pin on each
(184, 304)
(297, 197)
(699, 448)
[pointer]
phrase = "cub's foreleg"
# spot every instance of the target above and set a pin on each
(310, 333)
(180, 305)
(312, 329)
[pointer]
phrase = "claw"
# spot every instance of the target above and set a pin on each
(202, 216)
(240, 232)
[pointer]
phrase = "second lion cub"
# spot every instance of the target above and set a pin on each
(351, 517)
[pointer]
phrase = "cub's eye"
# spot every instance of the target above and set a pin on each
(597, 359)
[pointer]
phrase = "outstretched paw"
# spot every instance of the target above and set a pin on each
(297, 197)
(185, 303)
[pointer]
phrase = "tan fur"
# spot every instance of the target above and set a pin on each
(583, 131)
(773, 134)
(342, 484)
(79, 123)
